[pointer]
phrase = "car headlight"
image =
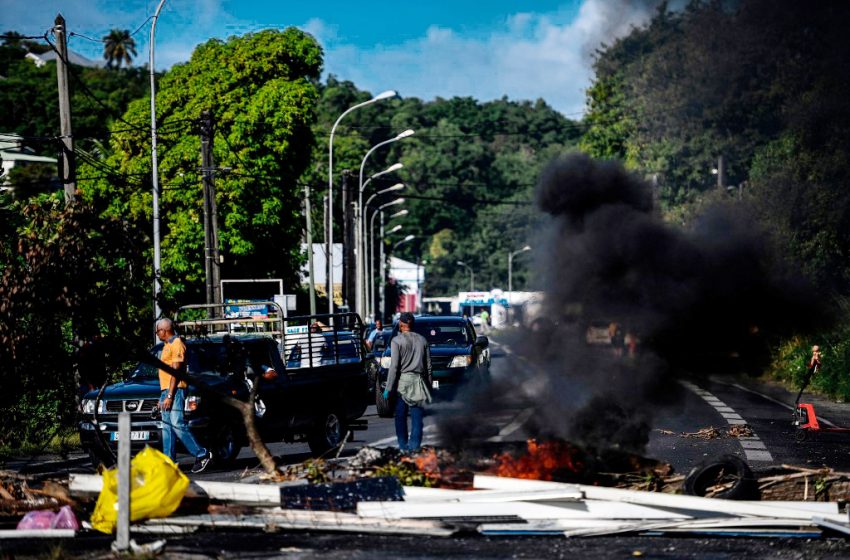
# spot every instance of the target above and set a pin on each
(385, 362)
(460, 361)
(87, 405)
(191, 403)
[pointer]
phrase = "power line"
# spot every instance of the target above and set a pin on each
(475, 200)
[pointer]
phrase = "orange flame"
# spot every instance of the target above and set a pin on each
(427, 463)
(541, 462)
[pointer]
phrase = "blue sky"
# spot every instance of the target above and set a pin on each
(484, 49)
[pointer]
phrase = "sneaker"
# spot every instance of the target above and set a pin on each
(201, 463)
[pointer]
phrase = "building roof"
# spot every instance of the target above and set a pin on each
(73, 58)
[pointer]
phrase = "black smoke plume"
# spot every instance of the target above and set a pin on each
(709, 298)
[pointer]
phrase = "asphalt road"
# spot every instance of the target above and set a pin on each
(699, 404)
(717, 402)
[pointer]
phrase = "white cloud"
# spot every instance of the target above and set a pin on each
(531, 57)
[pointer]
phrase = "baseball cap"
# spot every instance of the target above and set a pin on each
(406, 317)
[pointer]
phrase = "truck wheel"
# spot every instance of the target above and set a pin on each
(328, 433)
(225, 446)
(385, 408)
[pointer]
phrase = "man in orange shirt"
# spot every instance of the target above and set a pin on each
(173, 397)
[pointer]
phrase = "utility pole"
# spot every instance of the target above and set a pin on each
(721, 172)
(348, 269)
(309, 236)
(211, 255)
(382, 281)
(328, 256)
(67, 171)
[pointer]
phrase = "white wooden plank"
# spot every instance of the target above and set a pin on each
(37, 534)
(588, 509)
(653, 499)
(317, 520)
(246, 494)
(441, 495)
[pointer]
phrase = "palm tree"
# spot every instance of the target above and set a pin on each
(119, 47)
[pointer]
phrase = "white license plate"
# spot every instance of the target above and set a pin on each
(134, 436)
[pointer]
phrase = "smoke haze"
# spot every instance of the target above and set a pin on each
(707, 299)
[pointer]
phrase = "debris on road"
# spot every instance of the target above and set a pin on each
(711, 432)
(556, 488)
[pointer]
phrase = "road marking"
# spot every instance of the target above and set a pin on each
(391, 440)
(753, 447)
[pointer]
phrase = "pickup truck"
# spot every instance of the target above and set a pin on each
(320, 392)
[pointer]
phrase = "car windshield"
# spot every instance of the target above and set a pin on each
(147, 371)
(442, 334)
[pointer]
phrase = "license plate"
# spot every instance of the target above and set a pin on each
(134, 436)
(435, 384)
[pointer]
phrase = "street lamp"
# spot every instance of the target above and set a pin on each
(390, 169)
(405, 240)
(380, 210)
(510, 271)
(329, 234)
(154, 174)
(361, 227)
(396, 187)
(471, 275)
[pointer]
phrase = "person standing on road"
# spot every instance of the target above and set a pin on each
(814, 363)
(410, 376)
(172, 399)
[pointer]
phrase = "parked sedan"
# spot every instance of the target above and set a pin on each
(458, 355)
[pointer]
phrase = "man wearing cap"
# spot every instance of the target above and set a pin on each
(410, 376)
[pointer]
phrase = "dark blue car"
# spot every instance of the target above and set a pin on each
(458, 356)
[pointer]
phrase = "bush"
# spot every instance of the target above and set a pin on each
(791, 359)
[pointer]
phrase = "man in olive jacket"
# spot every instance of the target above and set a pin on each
(410, 376)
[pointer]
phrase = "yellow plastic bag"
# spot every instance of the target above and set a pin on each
(156, 488)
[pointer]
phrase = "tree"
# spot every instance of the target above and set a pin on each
(68, 275)
(118, 47)
(262, 90)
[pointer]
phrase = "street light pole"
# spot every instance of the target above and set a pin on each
(471, 276)
(510, 277)
(380, 211)
(370, 270)
(361, 227)
(510, 272)
(154, 173)
(329, 234)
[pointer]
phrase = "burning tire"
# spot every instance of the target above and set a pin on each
(727, 477)
(384, 406)
(327, 434)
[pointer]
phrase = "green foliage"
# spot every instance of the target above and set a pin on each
(98, 97)
(70, 276)
(465, 161)
(261, 89)
(406, 473)
(790, 363)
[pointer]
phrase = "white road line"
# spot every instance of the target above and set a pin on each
(393, 439)
(753, 447)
